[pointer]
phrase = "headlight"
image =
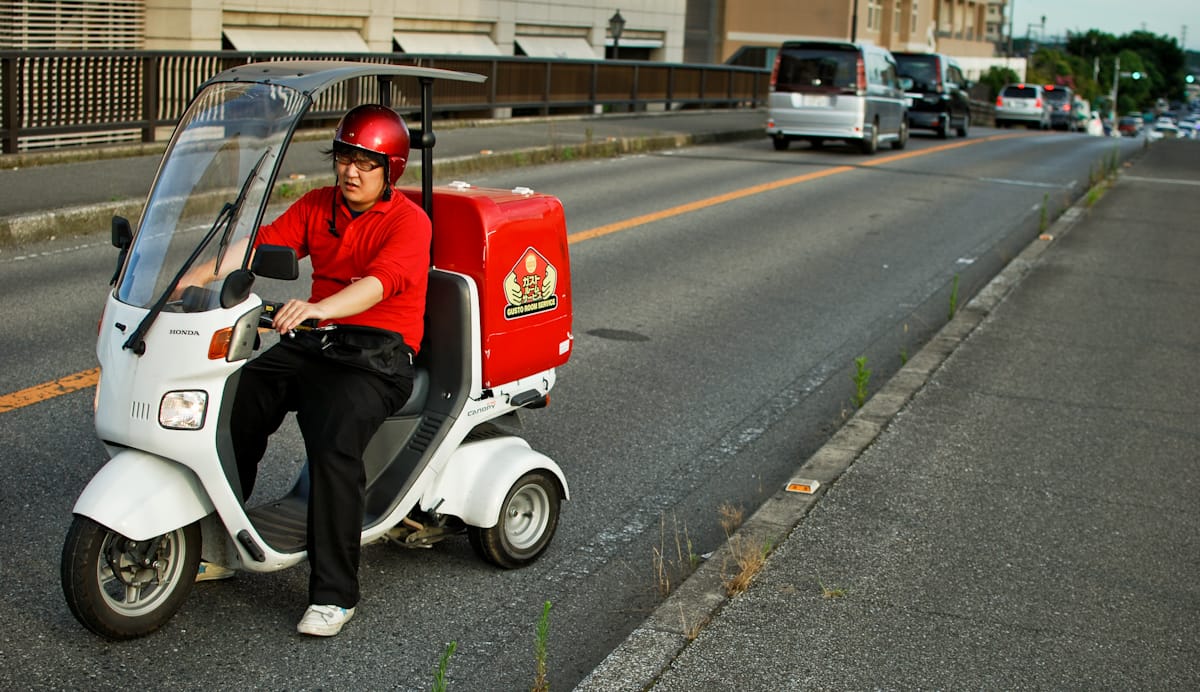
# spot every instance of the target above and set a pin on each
(183, 410)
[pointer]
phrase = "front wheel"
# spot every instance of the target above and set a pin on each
(527, 522)
(120, 588)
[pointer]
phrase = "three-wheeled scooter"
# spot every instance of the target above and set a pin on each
(498, 323)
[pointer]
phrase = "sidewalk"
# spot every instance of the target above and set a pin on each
(72, 197)
(1018, 505)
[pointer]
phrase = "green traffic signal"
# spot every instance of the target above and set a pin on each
(1136, 75)
(1190, 79)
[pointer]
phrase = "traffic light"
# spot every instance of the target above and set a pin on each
(1136, 75)
(1190, 79)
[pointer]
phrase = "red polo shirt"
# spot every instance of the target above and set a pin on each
(390, 241)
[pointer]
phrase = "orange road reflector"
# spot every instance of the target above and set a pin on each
(803, 485)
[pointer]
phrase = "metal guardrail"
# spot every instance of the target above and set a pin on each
(59, 98)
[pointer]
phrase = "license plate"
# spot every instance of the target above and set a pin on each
(811, 100)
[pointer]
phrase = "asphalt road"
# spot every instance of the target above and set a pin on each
(715, 344)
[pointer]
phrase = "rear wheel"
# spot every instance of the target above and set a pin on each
(901, 140)
(780, 142)
(965, 128)
(120, 588)
(528, 519)
(870, 140)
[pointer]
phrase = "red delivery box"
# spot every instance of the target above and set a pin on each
(513, 244)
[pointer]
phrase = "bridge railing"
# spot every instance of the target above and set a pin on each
(55, 99)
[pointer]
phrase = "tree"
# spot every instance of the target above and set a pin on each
(996, 77)
(1091, 57)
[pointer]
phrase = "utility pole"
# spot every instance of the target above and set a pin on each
(1113, 94)
(1012, 4)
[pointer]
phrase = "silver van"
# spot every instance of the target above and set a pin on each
(822, 90)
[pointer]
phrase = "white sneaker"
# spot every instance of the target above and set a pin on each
(324, 620)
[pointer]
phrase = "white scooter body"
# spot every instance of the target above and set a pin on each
(160, 479)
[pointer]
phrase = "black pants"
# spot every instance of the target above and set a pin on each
(338, 408)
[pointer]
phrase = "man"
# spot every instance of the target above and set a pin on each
(369, 248)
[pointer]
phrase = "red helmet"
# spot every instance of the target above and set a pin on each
(378, 130)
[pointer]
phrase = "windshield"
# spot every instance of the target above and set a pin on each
(816, 68)
(212, 186)
(922, 69)
(1057, 95)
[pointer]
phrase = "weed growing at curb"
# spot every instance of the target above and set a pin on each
(439, 676)
(1042, 225)
(690, 631)
(953, 297)
(730, 517)
(829, 593)
(749, 560)
(540, 683)
(862, 379)
(668, 572)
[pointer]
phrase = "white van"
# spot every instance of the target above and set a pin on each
(823, 90)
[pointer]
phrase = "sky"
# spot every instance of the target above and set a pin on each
(1117, 17)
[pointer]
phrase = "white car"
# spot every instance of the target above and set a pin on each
(1023, 104)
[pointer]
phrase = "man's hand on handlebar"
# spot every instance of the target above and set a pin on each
(294, 315)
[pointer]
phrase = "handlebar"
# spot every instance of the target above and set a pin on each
(267, 320)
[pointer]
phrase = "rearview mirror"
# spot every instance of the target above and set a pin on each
(275, 262)
(122, 233)
(122, 238)
(906, 83)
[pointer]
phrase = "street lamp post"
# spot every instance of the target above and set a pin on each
(616, 25)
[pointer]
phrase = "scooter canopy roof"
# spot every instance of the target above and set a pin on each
(314, 76)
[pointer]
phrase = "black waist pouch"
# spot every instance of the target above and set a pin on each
(377, 350)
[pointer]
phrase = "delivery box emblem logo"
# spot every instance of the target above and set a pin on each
(529, 287)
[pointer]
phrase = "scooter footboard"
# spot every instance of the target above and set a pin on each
(479, 475)
(141, 496)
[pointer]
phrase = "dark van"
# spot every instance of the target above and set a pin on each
(823, 90)
(938, 92)
(1062, 101)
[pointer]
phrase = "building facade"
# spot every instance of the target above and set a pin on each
(653, 29)
(701, 31)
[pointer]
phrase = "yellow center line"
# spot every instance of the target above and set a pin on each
(88, 378)
(49, 390)
(766, 187)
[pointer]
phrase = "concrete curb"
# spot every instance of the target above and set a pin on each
(93, 218)
(651, 648)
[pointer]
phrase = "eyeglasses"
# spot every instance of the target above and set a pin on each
(360, 162)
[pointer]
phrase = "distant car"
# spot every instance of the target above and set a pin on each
(938, 92)
(1060, 99)
(1130, 125)
(1164, 129)
(1023, 104)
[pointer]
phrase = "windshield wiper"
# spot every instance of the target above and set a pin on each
(225, 217)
